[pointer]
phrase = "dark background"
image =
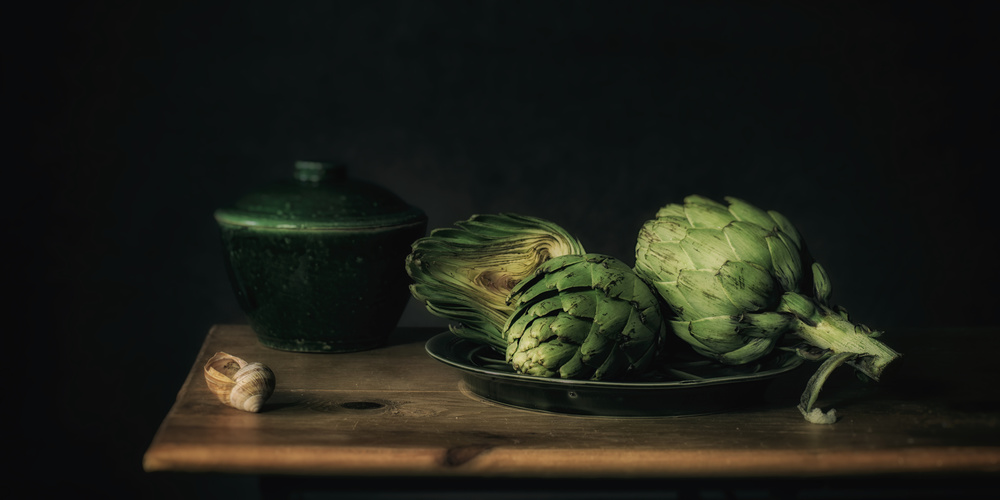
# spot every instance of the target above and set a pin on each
(871, 125)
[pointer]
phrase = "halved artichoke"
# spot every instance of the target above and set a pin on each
(465, 274)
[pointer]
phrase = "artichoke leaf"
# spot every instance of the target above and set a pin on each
(716, 333)
(799, 305)
(614, 362)
(672, 210)
(592, 273)
(612, 314)
(770, 324)
(666, 229)
(570, 328)
(746, 239)
(544, 360)
(754, 349)
(536, 332)
(707, 248)
(665, 258)
(744, 211)
(682, 329)
(705, 294)
(707, 215)
(575, 368)
(748, 286)
(581, 305)
(675, 299)
(634, 340)
(785, 260)
(595, 345)
(822, 288)
(787, 227)
(699, 200)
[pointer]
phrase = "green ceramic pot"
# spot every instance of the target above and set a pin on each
(317, 262)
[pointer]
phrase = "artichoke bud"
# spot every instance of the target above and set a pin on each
(583, 317)
(464, 274)
(712, 263)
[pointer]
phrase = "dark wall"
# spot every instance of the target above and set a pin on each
(868, 124)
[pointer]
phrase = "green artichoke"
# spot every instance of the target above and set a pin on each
(739, 279)
(465, 273)
(583, 317)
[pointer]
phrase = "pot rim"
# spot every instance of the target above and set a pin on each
(254, 220)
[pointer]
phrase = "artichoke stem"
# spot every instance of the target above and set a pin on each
(829, 330)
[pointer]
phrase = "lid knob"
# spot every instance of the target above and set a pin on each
(319, 171)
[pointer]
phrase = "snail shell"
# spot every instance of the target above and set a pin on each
(242, 385)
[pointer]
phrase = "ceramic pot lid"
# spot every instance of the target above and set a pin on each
(320, 196)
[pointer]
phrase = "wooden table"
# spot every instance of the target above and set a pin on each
(397, 412)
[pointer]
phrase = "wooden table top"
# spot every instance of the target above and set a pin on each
(395, 411)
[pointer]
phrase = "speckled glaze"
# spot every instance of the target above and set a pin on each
(317, 262)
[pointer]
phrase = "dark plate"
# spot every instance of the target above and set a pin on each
(688, 387)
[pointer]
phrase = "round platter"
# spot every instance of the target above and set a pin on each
(689, 387)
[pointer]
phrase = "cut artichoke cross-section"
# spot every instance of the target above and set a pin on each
(465, 273)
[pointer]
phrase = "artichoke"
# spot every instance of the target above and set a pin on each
(740, 279)
(465, 273)
(583, 317)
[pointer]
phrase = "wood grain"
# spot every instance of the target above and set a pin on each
(396, 411)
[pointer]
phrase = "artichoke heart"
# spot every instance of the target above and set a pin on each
(740, 279)
(583, 317)
(465, 274)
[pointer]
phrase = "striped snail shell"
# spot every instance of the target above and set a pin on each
(237, 383)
